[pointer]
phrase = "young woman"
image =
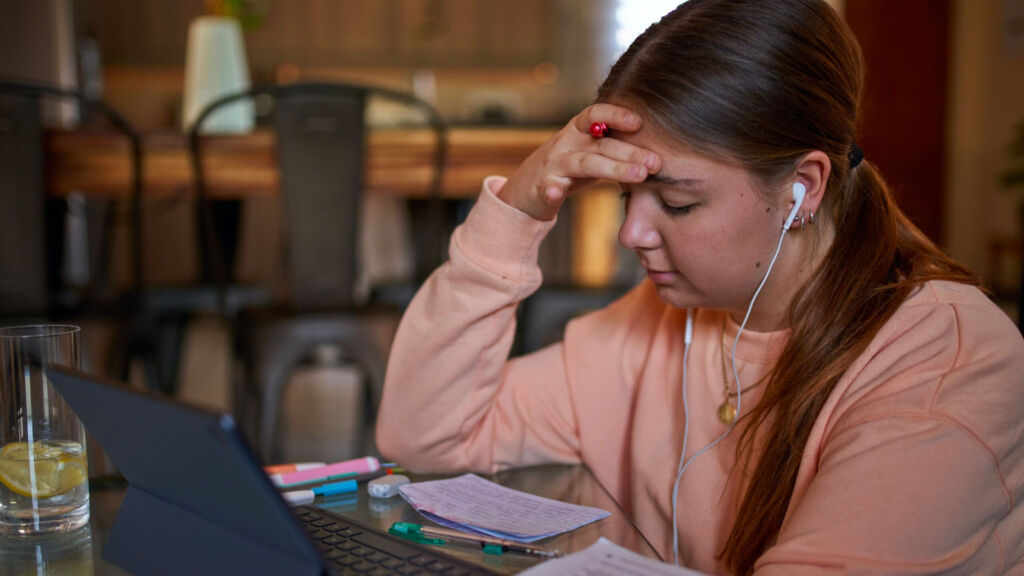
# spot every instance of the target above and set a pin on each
(879, 393)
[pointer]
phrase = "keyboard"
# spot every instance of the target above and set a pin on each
(354, 549)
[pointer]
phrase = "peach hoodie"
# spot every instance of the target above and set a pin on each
(914, 466)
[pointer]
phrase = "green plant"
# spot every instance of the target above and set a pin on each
(249, 13)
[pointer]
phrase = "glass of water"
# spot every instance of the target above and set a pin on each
(44, 486)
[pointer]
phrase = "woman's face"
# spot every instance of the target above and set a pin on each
(700, 228)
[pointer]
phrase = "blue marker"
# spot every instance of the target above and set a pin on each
(300, 497)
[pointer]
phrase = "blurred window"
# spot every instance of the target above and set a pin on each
(632, 17)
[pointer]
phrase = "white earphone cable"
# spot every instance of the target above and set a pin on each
(735, 373)
(684, 464)
(686, 434)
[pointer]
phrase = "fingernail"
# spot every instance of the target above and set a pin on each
(635, 172)
(650, 161)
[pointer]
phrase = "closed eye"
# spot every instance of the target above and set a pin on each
(670, 209)
(674, 211)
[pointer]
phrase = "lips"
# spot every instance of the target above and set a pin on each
(660, 276)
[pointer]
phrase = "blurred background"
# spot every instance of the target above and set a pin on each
(944, 119)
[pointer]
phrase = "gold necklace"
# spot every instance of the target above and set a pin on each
(727, 410)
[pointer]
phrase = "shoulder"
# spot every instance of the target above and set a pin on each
(967, 303)
(947, 354)
(928, 419)
(954, 321)
(952, 324)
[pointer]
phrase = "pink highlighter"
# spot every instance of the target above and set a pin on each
(319, 473)
(285, 468)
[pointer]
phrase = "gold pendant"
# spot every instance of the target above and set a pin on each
(726, 413)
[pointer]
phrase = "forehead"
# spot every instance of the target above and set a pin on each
(682, 163)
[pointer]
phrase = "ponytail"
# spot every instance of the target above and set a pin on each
(761, 83)
(877, 259)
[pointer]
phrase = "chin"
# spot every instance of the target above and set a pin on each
(677, 298)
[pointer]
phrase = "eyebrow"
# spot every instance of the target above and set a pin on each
(661, 179)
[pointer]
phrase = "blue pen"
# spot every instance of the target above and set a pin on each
(299, 497)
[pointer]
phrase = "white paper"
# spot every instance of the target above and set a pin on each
(479, 505)
(604, 558)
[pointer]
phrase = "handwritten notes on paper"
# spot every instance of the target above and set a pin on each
(473, 504)
(603, 558)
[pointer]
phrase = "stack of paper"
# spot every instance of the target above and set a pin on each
(472, 504)
(603, 558)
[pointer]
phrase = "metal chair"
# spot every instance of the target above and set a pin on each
(32, 226)
(32, 234)
(321, 132)
(32, 230)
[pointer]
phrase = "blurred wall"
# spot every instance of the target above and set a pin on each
(486, 53)
(902, 129)
(987, 101)
(37, 43)
(525, 61)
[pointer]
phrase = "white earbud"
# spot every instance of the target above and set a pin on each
(799, 190)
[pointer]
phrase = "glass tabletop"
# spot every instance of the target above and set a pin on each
(574, 484)
(79, 553)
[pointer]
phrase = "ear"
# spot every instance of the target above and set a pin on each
(813, 171)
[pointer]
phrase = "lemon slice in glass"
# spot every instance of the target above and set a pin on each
(42, 469)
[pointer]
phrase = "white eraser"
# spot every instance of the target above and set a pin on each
(298, 497)
(386, 486)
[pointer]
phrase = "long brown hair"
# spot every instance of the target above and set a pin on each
(762, 83)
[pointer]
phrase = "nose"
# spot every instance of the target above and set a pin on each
(637, 231)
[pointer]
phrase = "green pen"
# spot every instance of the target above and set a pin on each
(437, 535)
(413, 532)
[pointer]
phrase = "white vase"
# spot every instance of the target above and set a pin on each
(215, 65)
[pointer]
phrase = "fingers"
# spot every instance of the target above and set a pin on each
(626, 158)
(574, 158)
(555, 193)
(608, 160)
(589, 165)
(586, 158)
(594, 156)
(586, 166)
(615, 117)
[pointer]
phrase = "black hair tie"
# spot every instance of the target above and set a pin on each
(855, 155)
